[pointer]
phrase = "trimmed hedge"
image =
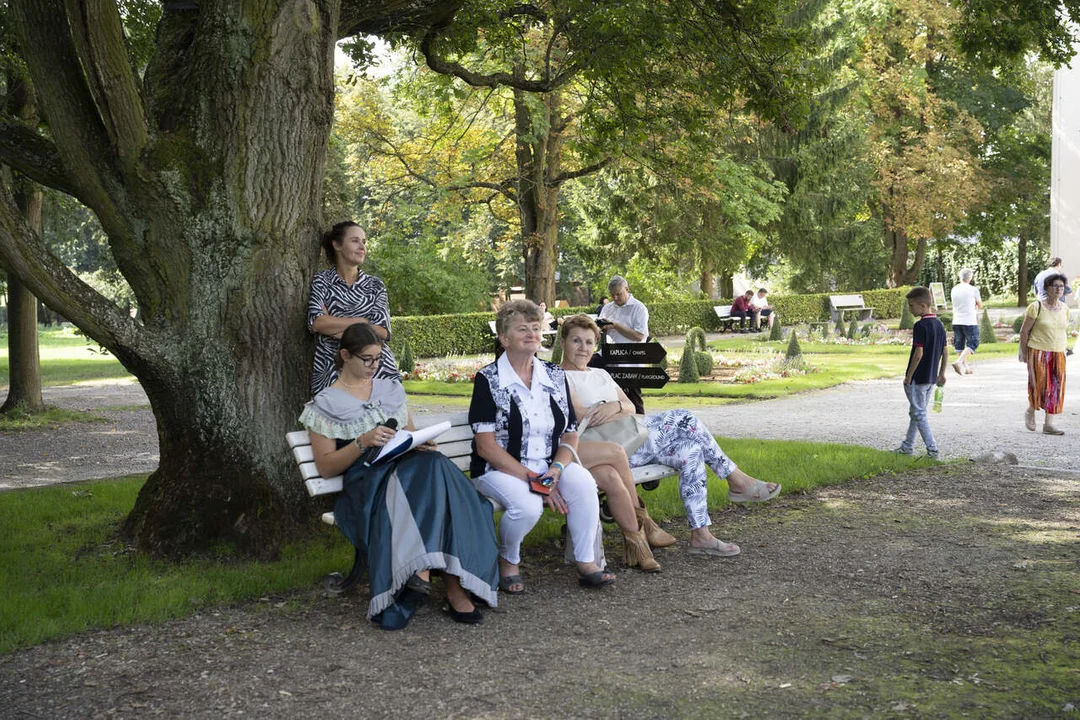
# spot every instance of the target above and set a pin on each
(469, 334)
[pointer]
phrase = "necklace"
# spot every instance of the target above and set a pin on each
(362, 383)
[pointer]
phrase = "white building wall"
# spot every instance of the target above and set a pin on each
(1065, 170)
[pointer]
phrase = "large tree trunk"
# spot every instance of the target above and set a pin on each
(539, 163)
(207, 181)
(24, 361)
(1022, 273)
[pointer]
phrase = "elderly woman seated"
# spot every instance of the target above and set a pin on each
(676, 438)
(525, 430)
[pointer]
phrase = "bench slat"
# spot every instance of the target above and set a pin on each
(323, 486)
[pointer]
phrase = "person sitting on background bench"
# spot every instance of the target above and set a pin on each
(743, 309)
(410, 515)
(762, 309)
(677, 438)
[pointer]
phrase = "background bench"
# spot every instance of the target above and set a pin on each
(727, 323)
(456, 444)
(840, 304)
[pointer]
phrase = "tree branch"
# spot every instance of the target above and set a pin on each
(497, 79)
(66, 101)
(32, 155)
(580, 172)
(26, 256)
(98, 36)
(393, 16)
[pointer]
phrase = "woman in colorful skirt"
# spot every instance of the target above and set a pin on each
(1042, 347)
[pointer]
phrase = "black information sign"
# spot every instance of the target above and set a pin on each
(645, 377)
(619, 353)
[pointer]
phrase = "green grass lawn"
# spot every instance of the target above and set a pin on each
(66, 358)
(62, 570)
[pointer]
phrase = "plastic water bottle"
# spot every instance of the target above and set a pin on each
(939, 397)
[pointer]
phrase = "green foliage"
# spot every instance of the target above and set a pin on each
(1017, 323)
(794, 350)
(777, 332)
(946, 320)
(704, 363)
(986, 329)
(556, 351)
(688, 371)
(839, 327)
(421, 279)
(853, 329)
(406, 361)
(695, 338)
(441, 335)
(907, 320)
(886, 303)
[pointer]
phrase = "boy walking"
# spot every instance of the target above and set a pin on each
(928, 360)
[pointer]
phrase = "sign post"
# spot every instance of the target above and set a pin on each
(628, 364)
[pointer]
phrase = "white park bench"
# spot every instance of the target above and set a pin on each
(723, 312)
(456, 444)
(840, 304)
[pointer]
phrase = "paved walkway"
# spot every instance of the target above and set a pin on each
(983, 412)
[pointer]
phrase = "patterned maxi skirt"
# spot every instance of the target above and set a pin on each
(1046, 380)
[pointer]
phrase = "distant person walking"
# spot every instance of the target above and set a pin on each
(928, 359)
(1040, 280)
(966, 302)
(1042, 347)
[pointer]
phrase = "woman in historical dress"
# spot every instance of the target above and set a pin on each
(342, 296)
(410, 515)
(524, 428)
(1043, 340)
(676, 438)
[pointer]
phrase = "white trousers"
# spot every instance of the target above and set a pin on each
(524, 507)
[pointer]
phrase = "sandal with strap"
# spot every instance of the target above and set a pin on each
(508, 581)
(719, 548)
(597, 579)
(758, 492)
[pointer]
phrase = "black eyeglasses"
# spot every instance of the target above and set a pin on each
(368, 361)
(1056, 287)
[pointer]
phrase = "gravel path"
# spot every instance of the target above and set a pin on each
(983, 413)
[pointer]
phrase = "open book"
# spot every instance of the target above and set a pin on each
(405, 440)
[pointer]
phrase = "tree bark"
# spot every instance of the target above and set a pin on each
(207, 180)
(24, 360)
(539, 164)
(896, 242)
(1022, 273)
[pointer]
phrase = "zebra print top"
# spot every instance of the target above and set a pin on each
(365, 298)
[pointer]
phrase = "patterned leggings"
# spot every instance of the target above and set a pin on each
(679, 439)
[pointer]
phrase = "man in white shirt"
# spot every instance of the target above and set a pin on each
(1040, 279)
(763, 308)
(967, 301)
(625, 320)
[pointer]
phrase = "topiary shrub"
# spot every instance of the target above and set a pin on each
(986, 329)
(777, 332)
(1017, 323)
(839, 329)
(556, 351)
(794, 350)
(704, 363)
(907, 320)
(853, 329)
(407, 361)
(688, 366)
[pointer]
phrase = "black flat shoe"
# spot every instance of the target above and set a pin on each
(473, 617)
(418, 584)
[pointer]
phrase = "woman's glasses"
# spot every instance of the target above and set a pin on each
(1056, 287)
(368, 361)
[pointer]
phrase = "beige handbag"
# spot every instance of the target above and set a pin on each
(628, 431)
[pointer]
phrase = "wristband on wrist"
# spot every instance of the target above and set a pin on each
(358, 444)
(558, 465)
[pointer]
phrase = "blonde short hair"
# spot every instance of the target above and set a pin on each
(527, 309)
(578, 321)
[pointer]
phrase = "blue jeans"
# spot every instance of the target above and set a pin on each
(919, 397)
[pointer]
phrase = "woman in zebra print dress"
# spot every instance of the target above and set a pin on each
(343, 296)
(677, 438)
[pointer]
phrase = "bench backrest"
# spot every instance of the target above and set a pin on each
(845, 301)
(455, 443)
(722, 311)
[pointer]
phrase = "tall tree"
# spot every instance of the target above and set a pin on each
(205, 169)
(24, 362)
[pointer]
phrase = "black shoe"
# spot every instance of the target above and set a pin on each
(1068, 351)
(473, 617)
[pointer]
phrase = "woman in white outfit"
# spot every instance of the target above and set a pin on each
(525, 428)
